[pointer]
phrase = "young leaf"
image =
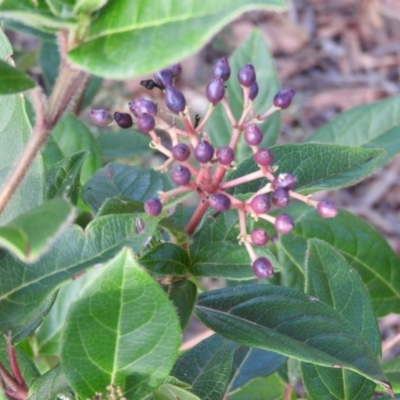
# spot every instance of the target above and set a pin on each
(331, 279)
(30, 234)
(13, 80)
(362, 246)
(207, 367)
(253, 51)
(295, 325)
(88, 6)
(137, 332)
(373, 125)
(140, 25)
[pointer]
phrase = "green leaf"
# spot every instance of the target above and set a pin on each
(170, 392)
(373, 125)
(176, 233)
(332, 280)
(27, 287)
(295, 325)
(183, 295)
(63, 178)
(137, 332)
(31, 234)
(123, 180)
(49, 61)
(88, 6)
(362, 246)
(141, 26)
(391, 369)
(13, 80)
(71, 136)
(166, 259)
(207, 367)
(316, 166)
(253, 51)
(15, 130)
(50, 385)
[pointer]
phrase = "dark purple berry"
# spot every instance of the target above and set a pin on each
(284, 181)
(175, 69)
(253, 135)
(181, 152)
(174, 100)
(253, 92)
(146, 122)
(262, 268)
(153, 206)
(101, 117)
(220, 202)
(204, 152)
(284, 223)
(280, 198)
(180, 175)
(264, 157)
(284, 98)
(123, 120)
(225, 155)
(260, 204)
(326, 209)
(259, 237)
(247, 75)
(164, 78)
(140, 106)
(215, 91)
(221, 69)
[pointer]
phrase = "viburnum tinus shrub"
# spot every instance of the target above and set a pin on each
(94, 306)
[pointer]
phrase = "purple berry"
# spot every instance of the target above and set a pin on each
(262, 268)
(284, 98)
(253, 135)
(260, 204)
(264, 157)
(326, 209)
(180, 175)
(225, 155)
(101, 117)
(247, 75)
(174, 100)
(220, 202)
(123, 120)
(164, 78)
(284, 223)
(284, 181)
(221, 69)
(175, 69)
(140, 106)
(259, 237)
(215, 91)
(253, 92)
(181, 152)
(146, 122)
(204, 152)
(280, 198)
(153, 206)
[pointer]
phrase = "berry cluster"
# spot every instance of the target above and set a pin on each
(204, 173)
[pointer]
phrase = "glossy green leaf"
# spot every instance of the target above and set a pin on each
(295, 325)
(126, 181)
(170, 392)
(207, 367)
(88, 6)
(391, 369)
(15, 130)
(30, 234)
(50, 385)
(137, 332)
(332, 280)
(316, 166)
(166, 259)
(253, 51)
(173, 31)
(26, 287)
(362, 246)
(183, 295)
(13, 80)
(63, 178)
(373, 125)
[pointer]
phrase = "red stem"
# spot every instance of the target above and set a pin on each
(197, 216)
(14, 364)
